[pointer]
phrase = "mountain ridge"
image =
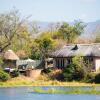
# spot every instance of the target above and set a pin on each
(91, 30)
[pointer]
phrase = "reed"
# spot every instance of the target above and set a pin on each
(72, 91)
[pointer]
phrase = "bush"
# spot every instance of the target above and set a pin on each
(75, 70)
(71, 73)
(90, 77)
(97, 78)
(68, 72)
(79, 75)
(15, 73)
(4, 76)
(56, 75)
(47, 70)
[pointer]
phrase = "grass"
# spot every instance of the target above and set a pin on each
(72, 91)
(25, 81)
(43, 83)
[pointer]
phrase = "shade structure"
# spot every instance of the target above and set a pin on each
(30, 60)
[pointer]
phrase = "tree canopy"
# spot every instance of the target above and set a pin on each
(71, 32)
(12, 29)
(20, 35)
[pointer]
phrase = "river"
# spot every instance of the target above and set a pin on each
(26, 93)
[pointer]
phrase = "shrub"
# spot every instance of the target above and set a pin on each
(75, 70)
(97, 78)
(68, 72)
(71, 73)
(56, 75)
(15, 73)
(4, 76)
(79, 75)
(47, 70)
(90, 77)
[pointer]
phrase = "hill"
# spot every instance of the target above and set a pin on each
(91, 30)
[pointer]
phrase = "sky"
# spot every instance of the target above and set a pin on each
(55, 10)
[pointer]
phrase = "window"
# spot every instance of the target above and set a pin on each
(69, 61)
(60, 63)
(88, 60)
(57, 63)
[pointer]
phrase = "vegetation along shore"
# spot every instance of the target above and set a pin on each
(53, 57)
(23, 81)
(72, 90)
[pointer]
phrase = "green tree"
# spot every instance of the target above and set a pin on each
(35, 53)
(13, 30)
(75, 71)
(45, 45)
(71, 32)
(15, 33)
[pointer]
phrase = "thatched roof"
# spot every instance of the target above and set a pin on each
(79, 49)
(10, 55)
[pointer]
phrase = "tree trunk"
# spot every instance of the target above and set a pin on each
(45, 63)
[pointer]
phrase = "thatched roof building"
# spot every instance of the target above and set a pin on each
(79, 49)
(90, 52)
(10, 55)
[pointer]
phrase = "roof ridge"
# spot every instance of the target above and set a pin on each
(83, 44)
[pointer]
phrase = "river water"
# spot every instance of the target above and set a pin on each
(26, 93)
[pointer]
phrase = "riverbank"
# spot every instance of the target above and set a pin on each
(25, 81)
